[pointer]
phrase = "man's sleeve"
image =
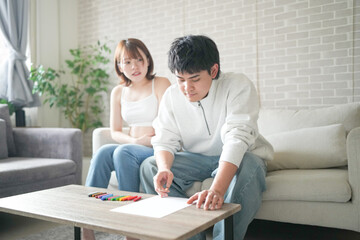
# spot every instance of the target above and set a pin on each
(240, 129)
(167, 136)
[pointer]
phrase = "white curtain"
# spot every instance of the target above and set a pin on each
(14, 84)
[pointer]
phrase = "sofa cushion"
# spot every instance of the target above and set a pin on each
(317, 147)
(327, 185)
(20, 170)
(4, 114)
(281, 120)
(3, 143)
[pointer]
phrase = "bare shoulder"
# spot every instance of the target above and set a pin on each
(162, 82)
(116, 91)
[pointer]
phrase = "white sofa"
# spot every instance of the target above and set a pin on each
(315, 176)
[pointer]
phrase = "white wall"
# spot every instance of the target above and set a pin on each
(299, 54)
(54, 30)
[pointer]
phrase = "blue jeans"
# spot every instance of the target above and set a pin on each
(124, 159)
(245, 188)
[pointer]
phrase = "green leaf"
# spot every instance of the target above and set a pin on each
(77, 98)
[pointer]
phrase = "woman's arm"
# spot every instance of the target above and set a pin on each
(116, 121)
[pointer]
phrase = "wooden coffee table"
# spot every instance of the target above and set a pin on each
(70, 205)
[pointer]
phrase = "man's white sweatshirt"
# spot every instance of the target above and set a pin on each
(223, 124)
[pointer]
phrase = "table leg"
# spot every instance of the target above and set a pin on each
(229, 228)
(77, 233)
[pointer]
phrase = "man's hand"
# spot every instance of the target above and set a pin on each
(211, 199)
(161, 179)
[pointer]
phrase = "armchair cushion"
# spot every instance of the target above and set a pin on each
(316, 147)
(53, 143)
(21, 170)
(4, 114)
(3, 143)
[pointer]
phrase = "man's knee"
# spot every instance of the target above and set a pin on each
(253, 170)
(148, 167)
(251, 161)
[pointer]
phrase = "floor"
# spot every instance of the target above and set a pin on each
(14, 227)
(261, 230)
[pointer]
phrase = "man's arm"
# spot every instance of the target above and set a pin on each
(164, 176)
(214, 197)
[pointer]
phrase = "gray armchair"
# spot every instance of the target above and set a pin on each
(33, 159)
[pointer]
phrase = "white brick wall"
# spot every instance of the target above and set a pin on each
(299, 54)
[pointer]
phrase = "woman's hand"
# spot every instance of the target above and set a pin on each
(211, 199)
(161, 179)
(144, 140)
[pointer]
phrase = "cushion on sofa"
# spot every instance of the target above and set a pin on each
(21, 170)
(3, 143)
(327, 185)
(317, 147)
(281, 120)
(4, 114)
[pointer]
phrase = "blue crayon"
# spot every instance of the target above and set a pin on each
(105, 197)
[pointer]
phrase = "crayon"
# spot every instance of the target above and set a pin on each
(117, 198)
(103, 198)
(131, 198)
(122, 199)
(93, 193)
(96, 194)
(127, 198)
(99, 196)
(137, 199)
(111, 198)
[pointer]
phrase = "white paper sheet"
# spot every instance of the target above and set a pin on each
(155, 207)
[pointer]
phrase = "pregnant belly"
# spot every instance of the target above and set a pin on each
(139, 131)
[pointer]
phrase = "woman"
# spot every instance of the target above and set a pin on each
(135, 100)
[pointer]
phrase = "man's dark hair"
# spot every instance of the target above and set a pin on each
(192, 54)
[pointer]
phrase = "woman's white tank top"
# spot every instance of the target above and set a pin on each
(142, 112)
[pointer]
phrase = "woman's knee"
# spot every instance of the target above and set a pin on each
(103, 154)
(123, 149)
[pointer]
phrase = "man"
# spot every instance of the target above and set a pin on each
(207, 127)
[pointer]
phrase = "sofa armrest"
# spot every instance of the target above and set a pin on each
(101, 136)
(60, 143)
(353, 153)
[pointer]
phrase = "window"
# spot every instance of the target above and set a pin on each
(4, 53)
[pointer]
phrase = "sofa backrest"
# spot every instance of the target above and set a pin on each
(281, 120)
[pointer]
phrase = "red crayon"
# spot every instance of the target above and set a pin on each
(137, 199)
(131, 198)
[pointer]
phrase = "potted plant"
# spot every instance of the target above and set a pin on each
(10, 105)
(80, 100)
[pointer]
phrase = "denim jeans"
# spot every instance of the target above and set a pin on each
(245, 188)
(124, 159)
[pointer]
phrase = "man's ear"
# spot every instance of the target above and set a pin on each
(214, 70)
